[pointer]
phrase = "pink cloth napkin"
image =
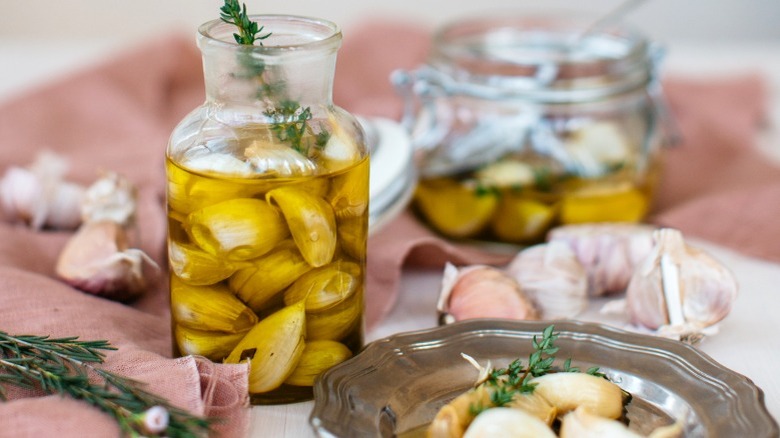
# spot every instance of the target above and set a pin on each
(118, 116)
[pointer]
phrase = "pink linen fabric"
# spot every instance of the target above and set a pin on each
(118, 116)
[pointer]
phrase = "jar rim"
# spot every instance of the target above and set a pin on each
(541, 54)
(311, 33)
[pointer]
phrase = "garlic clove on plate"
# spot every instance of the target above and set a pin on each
(581, 423)
(507, 423)
(480, 291)
(609, 252)
(679, 290)
(97, 260)
(552, 277)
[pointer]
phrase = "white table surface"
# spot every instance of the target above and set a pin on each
(749, 339)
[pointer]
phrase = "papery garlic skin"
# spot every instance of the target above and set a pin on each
(679, 289)
(39, 196)
(480, 291)
(609, 252)
(97, 260)
(553, 278)
(110, 198)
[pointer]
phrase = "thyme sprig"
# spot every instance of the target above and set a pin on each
(290, 121)
(516, 378)
(233, 13)
(64, 366)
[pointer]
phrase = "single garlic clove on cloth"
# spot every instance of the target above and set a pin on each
(97, 260)
(552, 277)
(480, 291)
(678, 290)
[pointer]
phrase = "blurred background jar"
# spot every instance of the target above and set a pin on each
(524, 124)
(268, 187)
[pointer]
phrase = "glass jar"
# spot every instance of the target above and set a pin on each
(522, 125)
(268, 210)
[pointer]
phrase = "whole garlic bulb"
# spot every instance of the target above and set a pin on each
(678, 289)
(553, 278)
(609, 252)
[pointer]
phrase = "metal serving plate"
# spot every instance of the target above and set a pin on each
(397, 384)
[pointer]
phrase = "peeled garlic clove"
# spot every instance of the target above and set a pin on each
(188, 191)
(507, 423)
(481, 292)
(349, 192)
(679, 288)
(213, 345)
(453, 208)
(240, 229)
(325, 287)
(273, 347)
(278, 159)
(352, 237)
(552, 277)
(337, 322)
(569, 391)
(197, 267)
(453, 419)
(596, 148)
(209, 308)
(535, 405)
(519, 219)
(97, 260)
(582, 424)
(317, 357)
(506, 174)
(604, 202)
(311, 221)
(340, 151)
(110, 198)
(609, 252)
(260, 284)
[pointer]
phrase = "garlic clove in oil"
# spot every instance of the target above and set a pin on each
(679, 290)
(482, 292)
(553, 279)
(97, 260)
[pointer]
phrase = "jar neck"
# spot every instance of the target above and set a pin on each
(296, 63)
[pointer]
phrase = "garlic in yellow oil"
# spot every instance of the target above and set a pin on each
(259, 285)
(678, 290)
(241, 229)
(272, 158)
(552, 277)
(311, 221)
(188, 191)
(336, 322)
(273, 347)
(209, 308)
(349, 193)
(325, 287)
(197, 267)
(213, 345)
(317, 357)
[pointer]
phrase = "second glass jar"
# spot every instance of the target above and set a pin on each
(522, 125)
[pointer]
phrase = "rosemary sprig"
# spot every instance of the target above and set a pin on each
(290, 120)
(516, 378)
(63, 366)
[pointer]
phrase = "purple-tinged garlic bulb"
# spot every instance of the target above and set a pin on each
(97, 260)
(679, 291)
(553, 278)
(481, 292)
(609, 252)
(39, 196)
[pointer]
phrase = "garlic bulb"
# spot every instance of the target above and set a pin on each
(481, 292)
(609, 252)
(679, 290)
(553, 278)
(112, 198)
(39, 196)
(97, 260)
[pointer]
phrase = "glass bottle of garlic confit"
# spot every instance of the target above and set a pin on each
(268, 210)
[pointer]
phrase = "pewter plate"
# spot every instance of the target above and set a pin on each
(397, 384)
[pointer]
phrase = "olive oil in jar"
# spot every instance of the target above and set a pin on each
(270, 269)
